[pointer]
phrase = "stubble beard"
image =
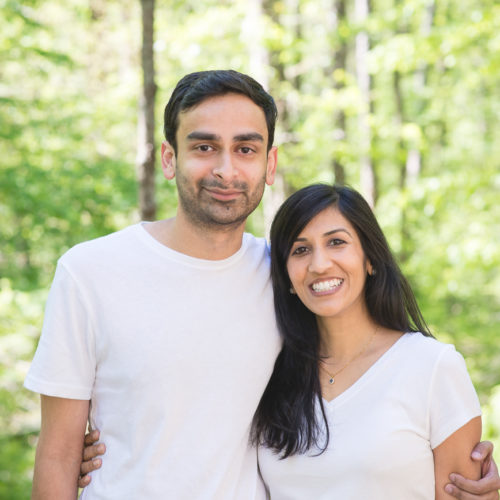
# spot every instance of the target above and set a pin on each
(214, 215)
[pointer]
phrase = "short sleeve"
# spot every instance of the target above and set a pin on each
(453, 399)
(64, 362)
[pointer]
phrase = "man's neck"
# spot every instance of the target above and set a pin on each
(201, 243)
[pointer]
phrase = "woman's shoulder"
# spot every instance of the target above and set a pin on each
(429, 348)
(430, 365)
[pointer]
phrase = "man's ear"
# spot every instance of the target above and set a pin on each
(168, 160)
(272, 162)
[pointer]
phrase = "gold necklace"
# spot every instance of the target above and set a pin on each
(333, 375)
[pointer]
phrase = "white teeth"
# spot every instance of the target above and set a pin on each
(323, 286)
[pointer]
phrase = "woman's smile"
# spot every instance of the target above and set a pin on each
(327, 266)
(326, 286)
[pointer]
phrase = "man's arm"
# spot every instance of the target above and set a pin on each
(59, 450)
(487, 488)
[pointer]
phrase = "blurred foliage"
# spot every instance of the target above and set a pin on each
(20, 319)
(69, 85)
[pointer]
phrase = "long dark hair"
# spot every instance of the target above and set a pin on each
(286, 420)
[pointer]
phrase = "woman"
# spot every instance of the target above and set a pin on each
(359, 405)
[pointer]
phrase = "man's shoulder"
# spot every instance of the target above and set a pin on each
(255, 242)
(104, 247)
(257, 247)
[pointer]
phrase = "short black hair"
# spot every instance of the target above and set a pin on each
(194, 88)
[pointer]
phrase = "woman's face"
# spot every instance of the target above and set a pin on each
(327, 266)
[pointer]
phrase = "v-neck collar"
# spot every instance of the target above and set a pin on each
(368, 374)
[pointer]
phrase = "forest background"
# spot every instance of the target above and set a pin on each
(398, 98)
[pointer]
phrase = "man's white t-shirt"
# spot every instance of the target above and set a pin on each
(383, 429)
(173, 352)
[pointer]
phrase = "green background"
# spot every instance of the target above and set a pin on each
(70, 79)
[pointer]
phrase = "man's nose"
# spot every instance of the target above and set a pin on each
(224, 168)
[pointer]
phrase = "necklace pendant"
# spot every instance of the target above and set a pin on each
(331, 381)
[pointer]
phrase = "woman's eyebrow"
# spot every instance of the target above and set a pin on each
(329, 233)
(339, 230)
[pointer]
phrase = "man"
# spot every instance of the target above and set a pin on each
(168, 327)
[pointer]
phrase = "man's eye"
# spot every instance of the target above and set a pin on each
(246, 150)
(204, 148)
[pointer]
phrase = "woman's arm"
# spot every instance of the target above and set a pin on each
(488, 487)
(453, 455)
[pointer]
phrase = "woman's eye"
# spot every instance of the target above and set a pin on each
(299, 251)
(334, 242)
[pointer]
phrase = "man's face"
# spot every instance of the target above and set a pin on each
(222, 163)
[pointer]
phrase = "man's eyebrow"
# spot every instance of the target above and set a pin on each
(202, 136)
(329, 233)
(250, 136)
(208, 136)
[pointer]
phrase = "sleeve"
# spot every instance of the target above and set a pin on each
(64, 364)
(453, 399)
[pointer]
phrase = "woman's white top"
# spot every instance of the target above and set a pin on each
(383, 429)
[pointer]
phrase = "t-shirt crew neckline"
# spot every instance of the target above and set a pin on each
(368, 374)
(167, 253)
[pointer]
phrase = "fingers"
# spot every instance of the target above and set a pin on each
(494, 471)
(468, 485)
(482, 450)
(91, 438)
(85, 469)
(490, 470)
(84, 481)
(89, 460)
(90, 465)
(463, 495)
(90, 452)
(467, 489)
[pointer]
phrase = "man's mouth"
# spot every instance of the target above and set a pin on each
(223, 194)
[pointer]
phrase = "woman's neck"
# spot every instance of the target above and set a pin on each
(342, 338)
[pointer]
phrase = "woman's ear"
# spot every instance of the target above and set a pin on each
(370, 269)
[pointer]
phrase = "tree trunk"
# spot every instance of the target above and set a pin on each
(414, 157)
(409, 154)
(145, 161)
(259, 62)
(339, 71)
(400, 121)
(368, 178)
